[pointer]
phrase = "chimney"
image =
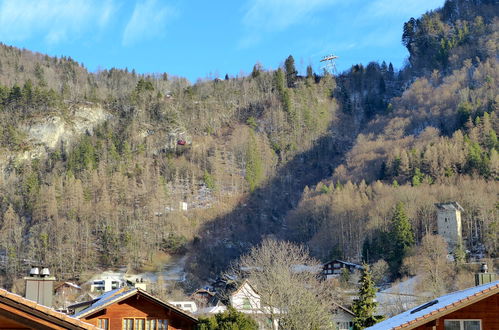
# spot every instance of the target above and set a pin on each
(483, 276)
(40, 286)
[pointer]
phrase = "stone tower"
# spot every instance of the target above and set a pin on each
(449, 223)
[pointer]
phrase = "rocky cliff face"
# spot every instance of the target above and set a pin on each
(45, 134)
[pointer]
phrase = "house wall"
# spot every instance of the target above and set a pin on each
(246, 292)
(140, 307)
(342, 319)
(486, 310)
(449, 226)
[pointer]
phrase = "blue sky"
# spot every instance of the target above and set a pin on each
(200, 38)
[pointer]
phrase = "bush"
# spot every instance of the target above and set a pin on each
(228, 320)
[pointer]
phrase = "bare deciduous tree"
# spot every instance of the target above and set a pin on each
(286, 278)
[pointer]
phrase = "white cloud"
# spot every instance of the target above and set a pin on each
(52, 20)
(148, 20)
(409, 8)
(275, 15)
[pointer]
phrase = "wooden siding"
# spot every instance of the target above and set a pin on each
(486, 310)
(140, 307)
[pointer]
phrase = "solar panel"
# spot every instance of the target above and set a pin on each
(428, 304)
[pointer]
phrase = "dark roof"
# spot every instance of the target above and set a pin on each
(121, 294)
(449, 206)
(223, 290)
(42, 312)
(346, 263)
(438, 307)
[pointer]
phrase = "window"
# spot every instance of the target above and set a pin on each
(140, 324)
(127, 324)
(344, 325)
(246, 303)
(162, 325)
(463, 325)
(151, 324)
(103, 323)
(144, 324)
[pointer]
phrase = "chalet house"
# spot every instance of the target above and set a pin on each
(244, 298)
(64, 293)
(126, 308)
(476, 308)
(342, 317)
(17, 312)
(334, 268)
(67, 289)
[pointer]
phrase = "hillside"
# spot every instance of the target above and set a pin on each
(113, 168)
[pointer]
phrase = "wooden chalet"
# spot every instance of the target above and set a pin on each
(476, 308)
(17, 312)
(128, 309)
(335, 267)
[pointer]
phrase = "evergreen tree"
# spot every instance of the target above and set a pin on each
(364, 307)
(257, 69)
(291, 73)
(254, 166)
(283, 92)
(310, 72)
(402, 238)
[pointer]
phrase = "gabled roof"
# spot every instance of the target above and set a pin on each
(121, 294)
(346, 310)
(70, 284)
(438, 307)
(241, 287)
(31, 310)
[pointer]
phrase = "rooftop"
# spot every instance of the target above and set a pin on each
(449, 206)
(438, 307)
(121, 294)
(42, 312)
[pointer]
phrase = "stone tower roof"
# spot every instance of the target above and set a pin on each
(449, 206)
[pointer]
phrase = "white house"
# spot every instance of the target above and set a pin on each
(188, 306)
(244, 298)
(106, 284)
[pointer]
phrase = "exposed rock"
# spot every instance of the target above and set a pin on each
(45, 134)
(51, 131)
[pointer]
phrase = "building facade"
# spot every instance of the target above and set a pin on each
(129, 309)
(449, 223)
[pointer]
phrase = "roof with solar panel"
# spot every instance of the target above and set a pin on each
(438, 307)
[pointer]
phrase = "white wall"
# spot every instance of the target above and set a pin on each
(245, 293)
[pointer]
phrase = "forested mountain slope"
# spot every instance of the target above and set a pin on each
(436, 141)
(115, 195)
(210, 169)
